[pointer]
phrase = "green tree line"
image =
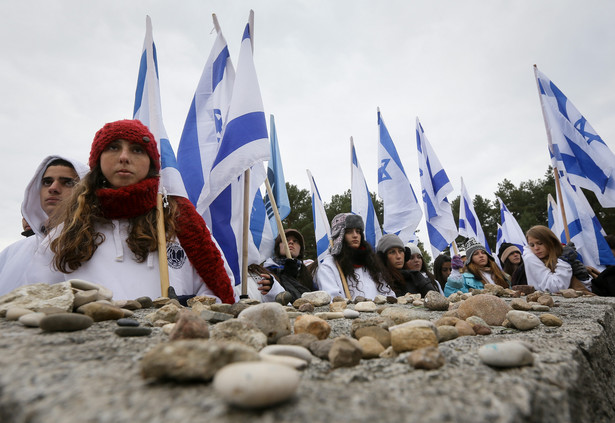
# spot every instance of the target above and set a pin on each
(527, 202)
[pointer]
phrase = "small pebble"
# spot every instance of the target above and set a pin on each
(548, 319)
(256, 384)
(133, 331)
(127, 322)
(350, 314)
(506, 354)
(429, 358)
(31, 319)
(522, 320)
(366, 306)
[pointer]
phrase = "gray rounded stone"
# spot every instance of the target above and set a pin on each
(65, 322)
(125, 331)
(506, 354)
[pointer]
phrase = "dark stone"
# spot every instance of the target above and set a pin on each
(238, 308)
(146, 302)
(524, 289)
(321, 348)
(65, 322)
(391, 299)
(127, 322)
(133, 331)
(359, 299)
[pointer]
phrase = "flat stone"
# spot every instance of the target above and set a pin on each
(300, 339)
(306, 308)
(125, 331)
(31, 319)
(524, 289)
(215, 316)
(404, 338)
(383, 336)
(548, 319)
(65, 322)
(127, 322)
(203, 299)
(418, 323)
(490, 308)
(519, 304)
(383, 322)
(286, 360)
(128, 304)
(370, 347)
(193, 359)
(321, 348)
(401, 315)
(522, 320)
(84, 297)
(345, 352)
(435, 301)
(243, 331)
(312, 324)
(38, 296)
(104, 293)
(429, 358)
(317, 298)
(270, 318)
(506, 354)
(221, 307)
(350, 313)
(540, 307)
(329, 315)
(569, 293)
(256, 384)
(189, 326)
(338, 306)
(14, 313)
(447, 333)
(288, 350)
(101, 311)
(365, 306)
(494, 289)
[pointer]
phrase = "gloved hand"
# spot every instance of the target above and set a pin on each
(569, 254)
(456, 262)
(291, 268)
(579, 270)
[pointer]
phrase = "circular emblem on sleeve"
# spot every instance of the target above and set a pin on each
(176, 256)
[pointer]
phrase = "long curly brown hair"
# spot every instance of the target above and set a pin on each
(81, 215)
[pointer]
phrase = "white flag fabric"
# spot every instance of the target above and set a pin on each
(206, 120)
(555, 217)
(499, 240)
(511, 231)
(584, 228)
(275, 176)
(441, 227)
(469, 225)
(245, 141)
(361, 200)
(322, 227)
(575, 146)
(402, 212)
(148, 110)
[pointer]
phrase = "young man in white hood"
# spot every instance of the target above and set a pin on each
(52, 182)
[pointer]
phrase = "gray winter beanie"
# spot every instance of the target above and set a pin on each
(389, 241)
(473, 246)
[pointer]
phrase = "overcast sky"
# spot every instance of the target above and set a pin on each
(463, 67)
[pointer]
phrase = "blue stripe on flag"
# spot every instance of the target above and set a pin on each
(246, 33)
(241, 131)
(470, 218)
(588, 166)
(189, 147)
(322, 245)
(218, 68)
(140, 82)
(436, 239)
(438, 180)
(167, 157)
(561, 100)
(221, 212)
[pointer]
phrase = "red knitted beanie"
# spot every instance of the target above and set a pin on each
(129, 130)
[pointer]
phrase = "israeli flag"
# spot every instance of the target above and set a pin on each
(361, 200)
(261, 230)
(322, 228)
(436, 186)
(574, 145)
(511, 231)
(244, 141)
(275, 175)
(402, 212)
(584, 228)
(469, 225)
(499, 240)
(148, 110)
(555, 218)
(206, 120)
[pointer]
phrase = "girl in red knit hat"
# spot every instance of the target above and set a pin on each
(107, 230)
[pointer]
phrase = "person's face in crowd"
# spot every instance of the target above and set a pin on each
(480, 258)
(446, 269)
(415, 262)
(56, 184)
(395, 257)
(537, 247)
(352, 237)
(515, 257)
(293, 246)
(124, 163)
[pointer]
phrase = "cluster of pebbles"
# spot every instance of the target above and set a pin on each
(254, 352)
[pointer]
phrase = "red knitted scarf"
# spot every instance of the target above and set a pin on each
(194, 237)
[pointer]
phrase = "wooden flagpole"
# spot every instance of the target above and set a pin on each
(550, 140)
(245, 234)
(163, 263)
(278, 221)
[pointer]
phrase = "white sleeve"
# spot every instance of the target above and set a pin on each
(328, 278)
(540, 276)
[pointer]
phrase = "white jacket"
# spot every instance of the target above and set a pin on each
(17, 257)
(540, 276)
(113, 265)
(328, 279)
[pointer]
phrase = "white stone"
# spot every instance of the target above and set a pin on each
(522, 320)
(84, 297)
(256, 384)
(288, 350)
(103, 292)
(32, 319)
(285, 360)
(270, 318)
(317, 298)
(418, 323)
(350, 314)
(14, 313)
(380, 299)
(366, 306)
(506, 354)
(168, 328)
(38, 296)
